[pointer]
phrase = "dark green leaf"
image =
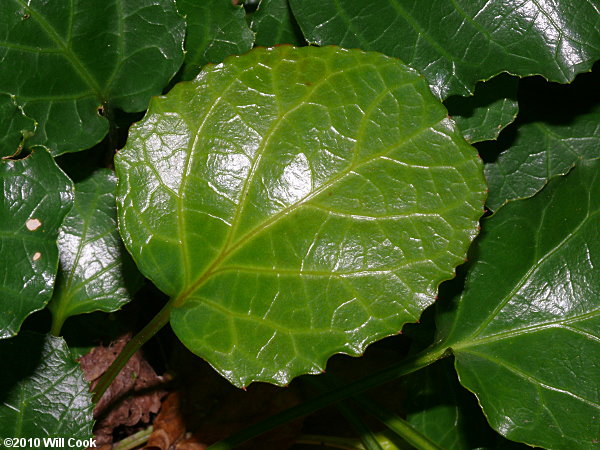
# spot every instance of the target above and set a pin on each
(493, 107)
(457, 43)
(540, 151)
(15, 126)
(297, 202)
(216, 29)
(96, 273)
(439, 407)
(36, 197)
(43, 392)
(68, 59)
(526, 334)
(274, 23)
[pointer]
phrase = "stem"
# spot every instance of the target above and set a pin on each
(57, 323)
(398, 425)
(368, 439)
(153, 327)
(135, 440)
(398, 370)
(330, 441)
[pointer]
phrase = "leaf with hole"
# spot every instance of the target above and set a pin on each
(295, 203)
(44, 394)
(36, 197)
(526, 333)
(457, 43)
(96, 273)
(68, 60)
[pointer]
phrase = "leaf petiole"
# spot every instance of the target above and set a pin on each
(153, 327)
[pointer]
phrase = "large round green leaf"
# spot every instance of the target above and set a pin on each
(96, 273)
(526, 334)
(297, 202)
(456, 43)
(43, 392)
(36, 197)
(216, 29)
(68, 59)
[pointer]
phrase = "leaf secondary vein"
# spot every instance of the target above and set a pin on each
(228, 248)
(532, 379)
(73, 59)
(561, 323)
(530, 273)
(275, 218)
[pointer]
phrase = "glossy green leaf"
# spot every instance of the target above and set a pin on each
(484, 115)
(216, 29)
(540, 151)
(15, 126)
(68, 59)
(297, 202)
(526, 334)
(43, 391)
(439, 407)
(274, 23)
(96, 273)
(457, 43)
(36, 197)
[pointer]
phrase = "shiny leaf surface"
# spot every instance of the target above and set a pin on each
(297, 202)
(455, 44)
(36, 197)
(216, 29)
(483, 116)
(540, 151)
(274, 23)
(526, 334)
(68, 59)
(15, 126)
(95, 272)
(43, 390)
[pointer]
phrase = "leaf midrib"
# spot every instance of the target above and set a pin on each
(66, 50)
(227, 247)
(214, 266)
(472, 339)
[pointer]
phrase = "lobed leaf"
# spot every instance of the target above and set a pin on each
(457, 43)
(295, 203)
(36, 197)
(526, 334)
(43, 390)
(96, 273)
(69, 60)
